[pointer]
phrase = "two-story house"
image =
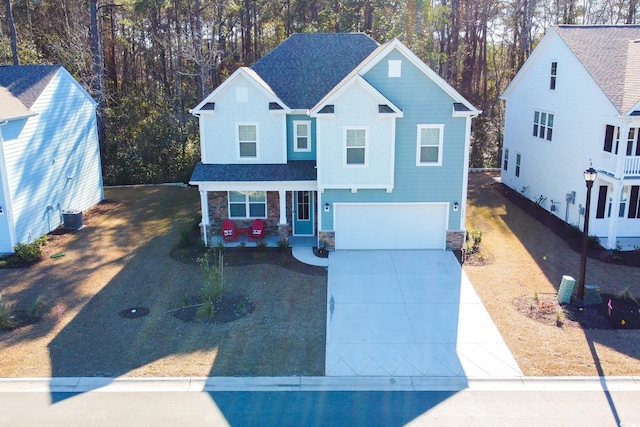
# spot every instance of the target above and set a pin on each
(335, 136)
(575, 103)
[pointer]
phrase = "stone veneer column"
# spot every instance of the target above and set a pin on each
(455, 240)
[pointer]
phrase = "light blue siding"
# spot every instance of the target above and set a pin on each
(300, 155)
(52, 159)
(423, 102)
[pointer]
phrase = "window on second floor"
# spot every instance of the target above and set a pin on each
(355, 146)
(430, 139)
(554, 73)
(301, 135)
(633, 142)
(611, 139)
(543, 125)
(505, 160)
(247, 141)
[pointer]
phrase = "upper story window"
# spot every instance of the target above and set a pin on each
(247, 141)
(505, 163)
(554, 73)
(430, 139)
(247, 204)
(301, 135)
(543, 125)
(395, 68)
(633, 142)
(611, 139)
(355, 143)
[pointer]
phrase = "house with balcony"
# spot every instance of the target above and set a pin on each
(575, 103)
(353, 144)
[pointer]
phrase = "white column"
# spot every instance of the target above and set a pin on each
(613, 219)
(283, 207)
(204, 205)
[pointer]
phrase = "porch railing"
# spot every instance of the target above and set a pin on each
(632, 165)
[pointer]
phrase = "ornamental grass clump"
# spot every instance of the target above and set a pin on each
(213, 284)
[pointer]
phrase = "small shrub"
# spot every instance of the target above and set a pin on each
(473, 246)
(206, 312)
(185, 237)
(573, 230)
(561, 316)
(593, 242)
(30, 252)
(6, 311)
(261, 244)
(36, 309)
(283, 244)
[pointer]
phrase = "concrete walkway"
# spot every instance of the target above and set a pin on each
(409, 314)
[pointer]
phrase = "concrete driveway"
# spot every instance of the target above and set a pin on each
(409, 313)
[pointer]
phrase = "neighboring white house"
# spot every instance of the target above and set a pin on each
(359, 145)
(576, 102)
(49, 152)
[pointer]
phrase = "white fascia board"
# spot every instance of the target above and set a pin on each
(446, 87)
(546, 39)
(354, 188)
(77, 84)
(255, 185)
(250, 76)
(341, 88)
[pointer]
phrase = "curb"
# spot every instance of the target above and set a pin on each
(270, 384)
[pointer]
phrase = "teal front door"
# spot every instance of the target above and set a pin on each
(303, 213)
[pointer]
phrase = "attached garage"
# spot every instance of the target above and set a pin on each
(390, 225)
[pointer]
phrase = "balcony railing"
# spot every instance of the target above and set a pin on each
(632, 166)
(609, 163)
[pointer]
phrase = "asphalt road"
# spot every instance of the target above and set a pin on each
(321, 408)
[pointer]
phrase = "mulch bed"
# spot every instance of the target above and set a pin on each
(230, 307)
(566, 232)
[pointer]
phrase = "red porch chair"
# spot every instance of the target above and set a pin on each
(229, 233)
(257, 230)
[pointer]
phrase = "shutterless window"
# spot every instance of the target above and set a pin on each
(355, 145)
(518, 161)
(624, 195)
(543, 125)
(505, 162)
(302, 135)
(247, 204)
(554, 73)
(248, 141)
(430, 145)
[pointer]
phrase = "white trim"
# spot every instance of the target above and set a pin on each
(345, 129)
(419, 145)
(237, 130)
(255, 185)
(295, 124)
(7, 195)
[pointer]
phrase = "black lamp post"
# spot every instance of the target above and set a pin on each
(589, 177)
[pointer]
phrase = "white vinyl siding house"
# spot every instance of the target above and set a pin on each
(50, 161)
(568, 108)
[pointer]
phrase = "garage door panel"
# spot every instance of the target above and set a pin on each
(390, 226)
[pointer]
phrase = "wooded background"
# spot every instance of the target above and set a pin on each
(147, 62)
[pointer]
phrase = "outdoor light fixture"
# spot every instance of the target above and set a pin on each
(455, 206)
(590, 176)
(326, 207)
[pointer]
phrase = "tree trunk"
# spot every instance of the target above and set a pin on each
(12, 31)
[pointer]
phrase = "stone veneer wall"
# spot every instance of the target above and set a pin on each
(328, 238)
(455, 240)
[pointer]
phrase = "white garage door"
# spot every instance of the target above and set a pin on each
(390, 225)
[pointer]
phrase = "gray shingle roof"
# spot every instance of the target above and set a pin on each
(611, 55)
(305, 67)
(26, 82)
(298, 170)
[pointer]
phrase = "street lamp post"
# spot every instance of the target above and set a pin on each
(589, 177)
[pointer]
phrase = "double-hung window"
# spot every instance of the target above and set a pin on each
(430, 139)
(554, 75)
(247, 140)
(355, 146)
(247, 204)
(302, 135)
(505, 164)
(518, 163)
(543, 125)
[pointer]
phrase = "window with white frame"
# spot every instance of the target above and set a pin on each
(247, 204)
(247, 140)
(554, 75)
(505, 163)
(543, 125)
(355, 143)
(430, 139)
(301, 135)
(518, 162)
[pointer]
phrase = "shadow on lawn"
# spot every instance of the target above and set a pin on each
(556, 255)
